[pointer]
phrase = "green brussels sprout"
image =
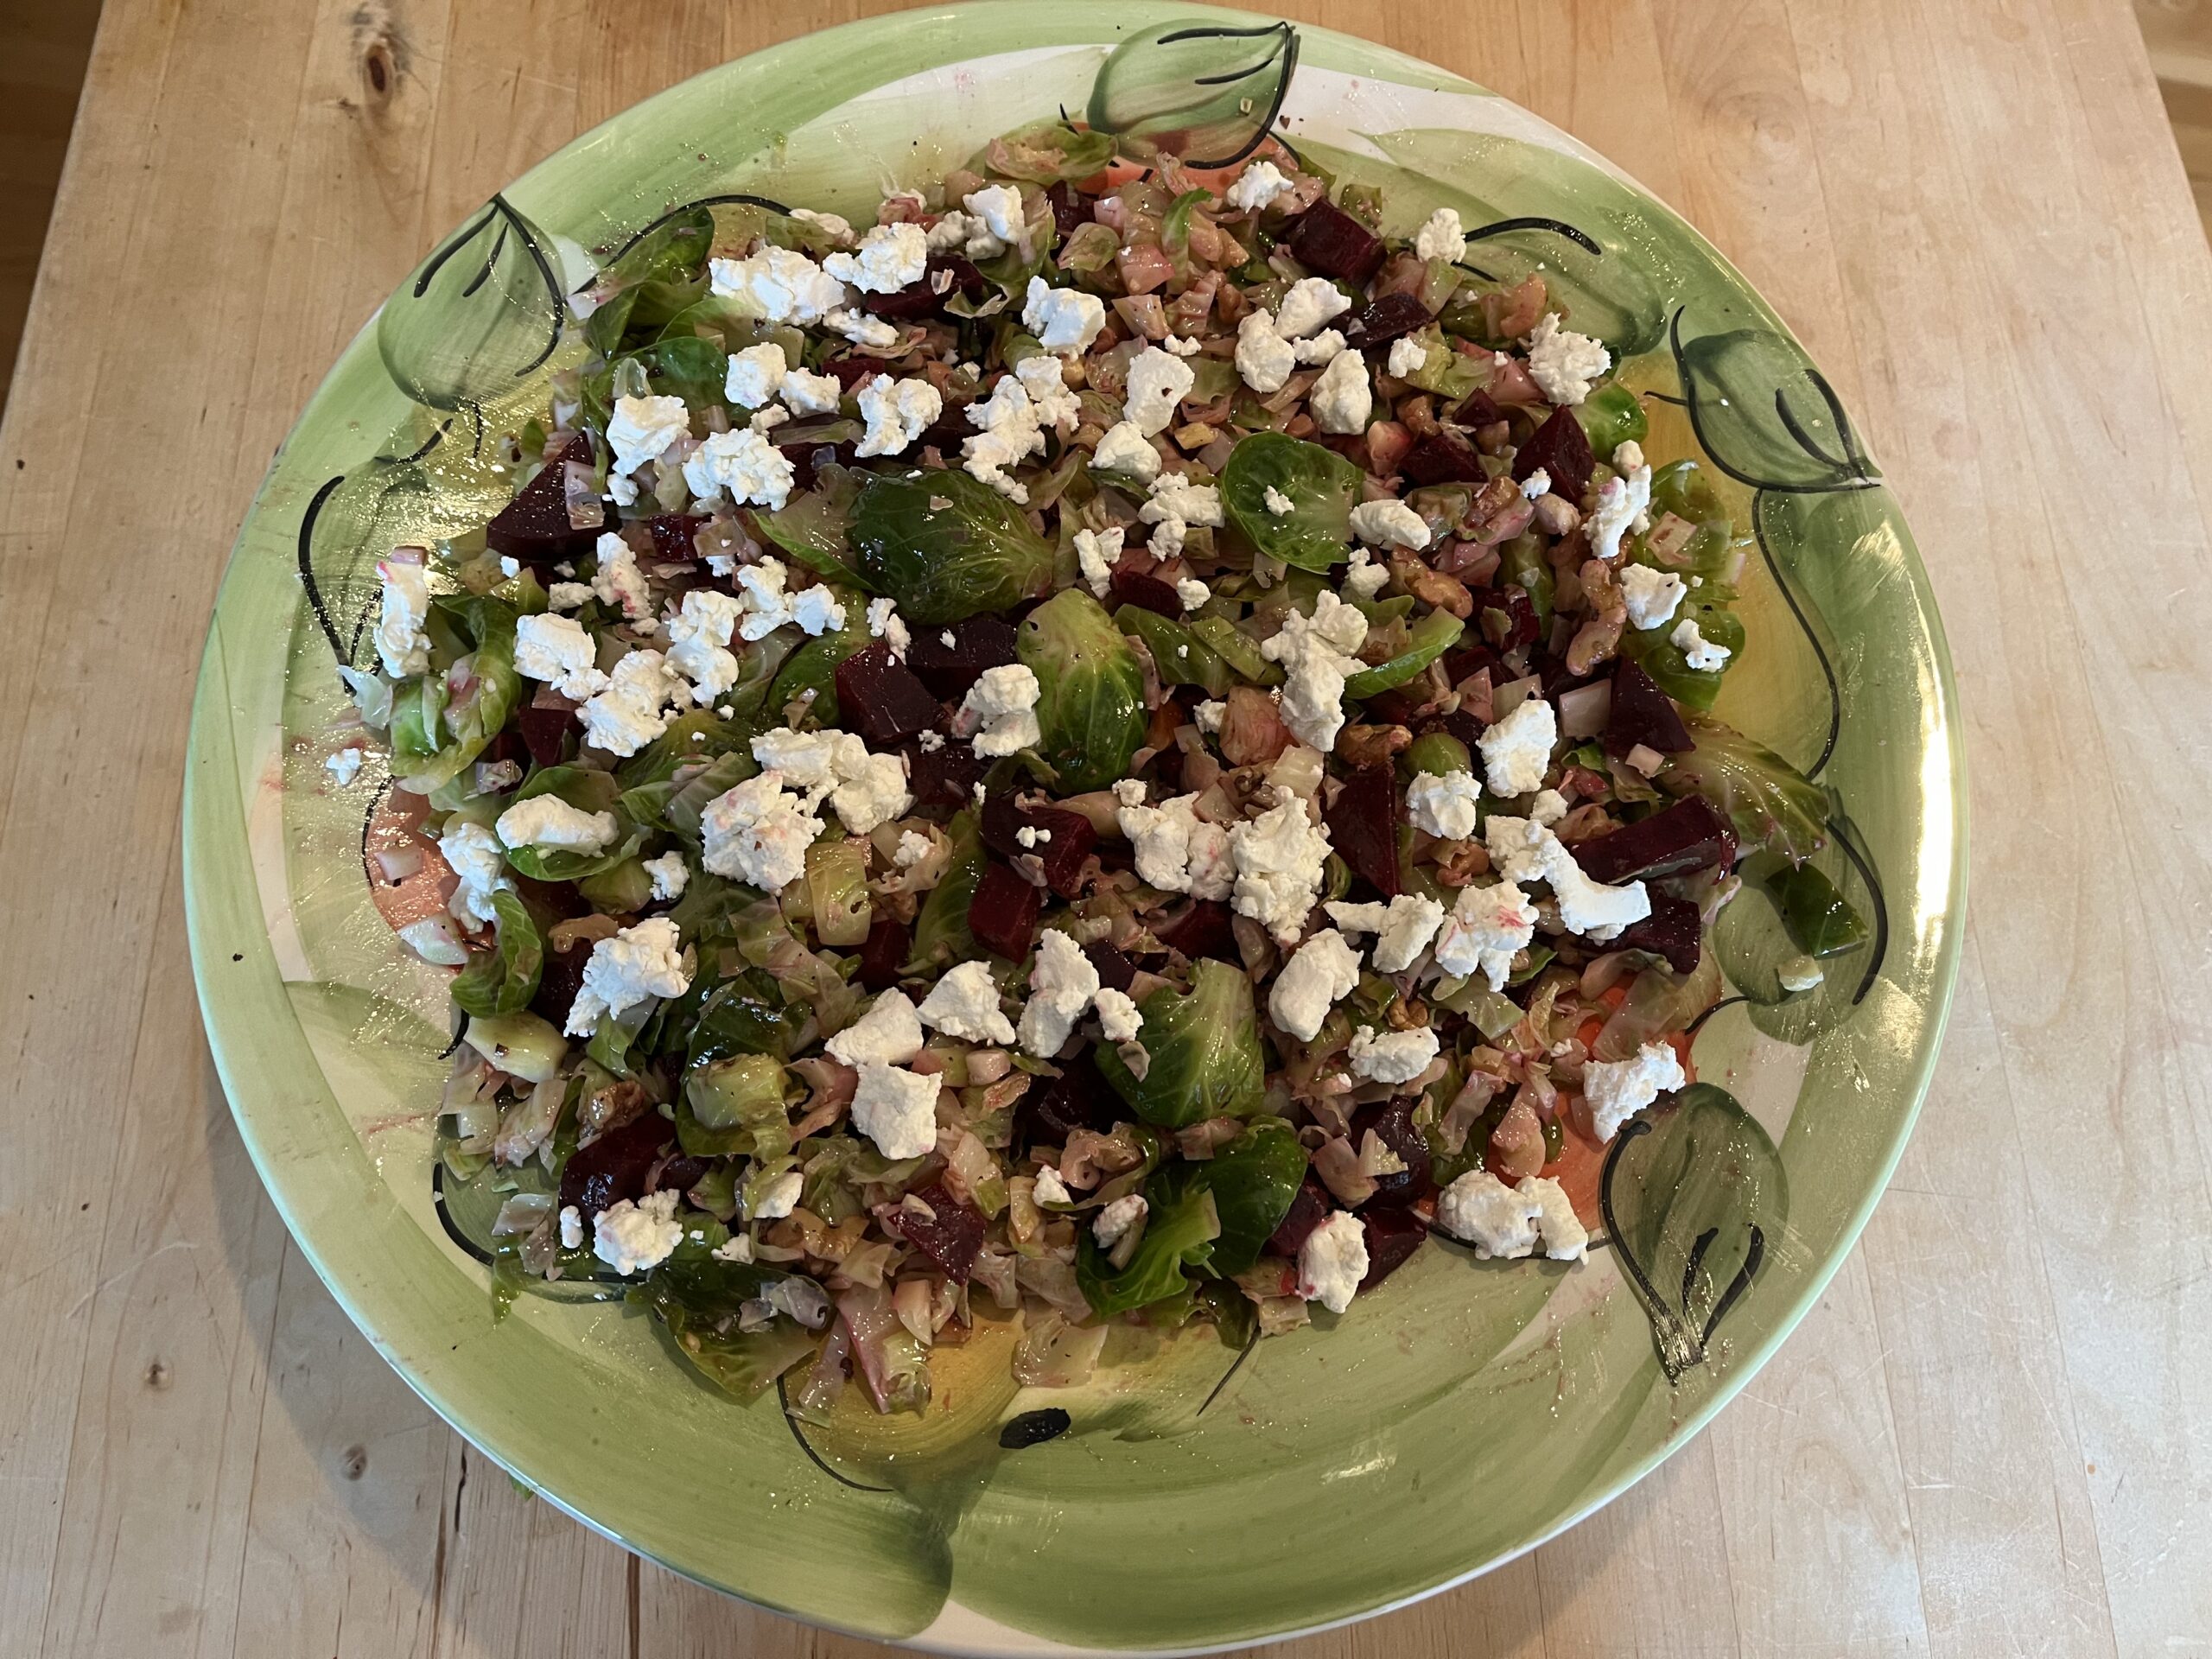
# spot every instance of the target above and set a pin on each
(1323, 488)
(521, 1045)
(503, 981)
(836, 890)
(1774, 806)
(442, 722)
(1205, 1052)
(1611, 416)
(1090, 706)
(1253, 1181)
(947, 547)
(1654, 651)
(1178, 1233)
(627, 887)
(1438, 753)
(813, 666)
(1179, 655)
(1431, 637)
(1238, 649)
(735, 1105)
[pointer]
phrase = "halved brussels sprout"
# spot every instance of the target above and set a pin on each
(1322, 486)
(1204, 1051)
(1090, 706)
(1432, 636)
(946, 546)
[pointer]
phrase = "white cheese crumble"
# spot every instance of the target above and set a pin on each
(1521, 849)
(632, 712)
(638, 963)
(1177, 851)
(1506, 1223)
(1125, 450)
(1341, 400)
(1000, 711)
(866, 790)
(805, 392)
(897, 1109)
(618, 581)
(1063, 319)
(1119, 1020)
(1332, 1260)
(1009, 431)
(742, 465)
(758, 832)
(1563, 364)
(1061, 983)
(1264, 358)
(641, 428)
(1441, 237)
(670, 875)
(630, 1237)
(1306, 304)
(1536, 486)
(344, 766)
(572, 1227)
(780, 285)
(1652, 596)
(1364, 578)
(1282, 857)
(1392, 1056)
(1621, 501)
(1402, 928)
(870, 333)
(1050, 1189)
(885, 623)
(1444, 806)
(1209, 715)
(1317, 656)
(889, 257)
(699, 635)
(1320, 348)
(1277, 502)
(1259, 184)
(1617, 1090)
(1389, 524)
(556, 650)
(1517, 749)
(1112, 1224)
(1096, 550)
(755, 376)
(1191, 594)
(964, 1003)
(897, 412)
(1321, 973)
(404, 607)
(780, 1197)
(550, 822)
(1406, 355)
(1698, 651)
(1158, 381)
(476, 856)
(1174, 506)
(889, 1033)
(1487, 928)
(999, 205)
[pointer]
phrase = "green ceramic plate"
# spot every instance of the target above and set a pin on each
(1460, 1415)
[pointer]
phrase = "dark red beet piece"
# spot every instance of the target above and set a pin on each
(1329, 240)
(1363, 827)
(915, 300)
(1687, 836)
(1077, 1099)
(890, 703)
(938, 1225)
(1064, 838)
(1642, 712)
(1137, 583)
(1068, 211)
(1555, 676)
(979, 643)
(1509, 620)
(1479, 410)
(1115, 971)
(1393, 1236)
(851, 371)
(884, 953)
(534, 527)
(679, 1173)
(558, 981)
(1307, 1210)
(544, 722)
(808, 455)
(509, 745)
(1003, 913)
(673, 533)
(1391, 708)
(1461, 724)
(614, 1167)
(1201, 929)
(1386, 319)
(1562, 450)
(1443, 457)
(943, 777)
(1393, 1123)
(1674, 930)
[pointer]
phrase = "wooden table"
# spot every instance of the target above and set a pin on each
(1995, 1434)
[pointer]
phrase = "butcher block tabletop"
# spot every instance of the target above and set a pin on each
(1993, 1436)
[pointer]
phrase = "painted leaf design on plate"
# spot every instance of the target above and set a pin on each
(1615, 300)
(1764, 414)
(478, 316)
(1694, 1197)
(1207, 91)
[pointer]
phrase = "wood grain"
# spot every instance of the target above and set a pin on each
(1990, 1437)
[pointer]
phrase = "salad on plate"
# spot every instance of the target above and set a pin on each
(1121, 743)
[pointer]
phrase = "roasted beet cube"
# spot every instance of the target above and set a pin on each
(509, 745)
(887, 699)
(1642, 712)
(558, 981)
(1077, 1099)
(945, 776)
(1003, 913)
(1307, 1210)
(915, 300)
(1561, 448)
(1331, 241)
(534, 527)
(544, 722)
(1201, 928)
(1115, 971)
(614, 1167)
(1480, 410)
(1058, 839)
(1687, 836)
(1443, 456)
(1674, 930)
(938, 1225)
(673, 533)
(1069, 214)
(1387, 319)
(1392, 1124)
(884, 953)
(979, 643)
(676, 1173)
(807, 455)
(1363, 827)
(852, 371)
(1137, 582)
(1393, 1236)
(1509, 619)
